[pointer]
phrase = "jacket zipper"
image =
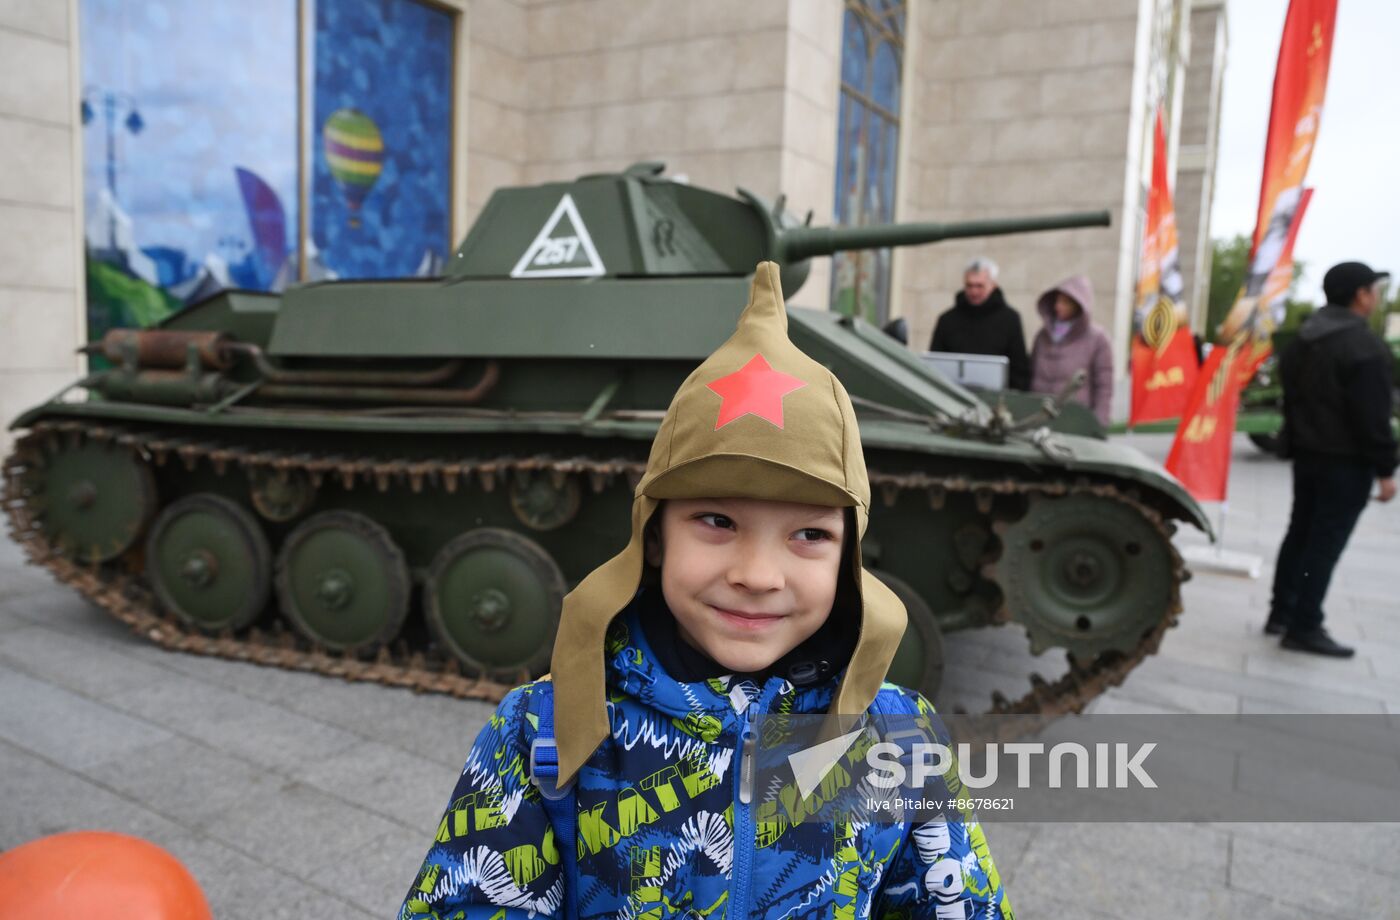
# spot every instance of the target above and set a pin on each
(743, 804)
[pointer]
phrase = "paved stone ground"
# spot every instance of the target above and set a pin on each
(292, 795)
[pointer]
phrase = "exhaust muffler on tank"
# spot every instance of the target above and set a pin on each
(163, 348)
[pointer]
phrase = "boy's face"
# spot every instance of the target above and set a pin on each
(748, 580)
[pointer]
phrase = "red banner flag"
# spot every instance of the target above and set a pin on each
(1200, 455)
(1164, 354)
(1163, 376)
(1300, 82)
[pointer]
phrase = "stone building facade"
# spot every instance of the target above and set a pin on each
(41, 278)
(1199, 139)
(1008, 107)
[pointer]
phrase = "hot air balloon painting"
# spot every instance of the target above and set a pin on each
(355, 153)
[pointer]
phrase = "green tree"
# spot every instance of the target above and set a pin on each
(1229, 260)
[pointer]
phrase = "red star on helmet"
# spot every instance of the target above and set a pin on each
(754, 389)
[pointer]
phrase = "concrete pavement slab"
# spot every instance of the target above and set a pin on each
(1233, 904)
(400, 786)
(1008, 841)
(435, 727)
(377, 874)
(75, 663)
(1353, 784)
(240, 887)
(1174, 696)
(1198, 850)
(1308, 875)
(440, 727)
(39, 797)
(187, 779)
(59, 609)
(299, 829)
(1385, 660)
(1310, 699)
(1195, 649)
(1371, 846)
(230, 721)
(1311, 671)
(63, 727)
(1066, 876)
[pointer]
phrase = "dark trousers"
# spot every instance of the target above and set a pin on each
(1329, 494)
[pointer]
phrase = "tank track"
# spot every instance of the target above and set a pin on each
(122, 594)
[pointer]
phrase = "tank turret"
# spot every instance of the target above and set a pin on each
(641, 222)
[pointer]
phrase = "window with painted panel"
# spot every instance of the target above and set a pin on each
(193, 175)
(867, 149)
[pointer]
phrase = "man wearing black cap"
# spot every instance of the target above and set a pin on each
(1336, 407)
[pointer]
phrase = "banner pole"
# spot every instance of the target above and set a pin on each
(1220, 533)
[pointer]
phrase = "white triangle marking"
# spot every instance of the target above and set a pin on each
(810, 766)
(546, 251)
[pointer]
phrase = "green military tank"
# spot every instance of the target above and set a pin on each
(398, 481)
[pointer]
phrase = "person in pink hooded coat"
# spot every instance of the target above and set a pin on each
(1069, 342)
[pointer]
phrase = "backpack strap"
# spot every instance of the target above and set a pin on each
(544, 751)
(559, 804)
(893, 701)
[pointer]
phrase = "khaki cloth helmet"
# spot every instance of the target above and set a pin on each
(758, 419)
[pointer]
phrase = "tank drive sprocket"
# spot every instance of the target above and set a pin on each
(1081, 572)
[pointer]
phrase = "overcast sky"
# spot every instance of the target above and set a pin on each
(1355, 210)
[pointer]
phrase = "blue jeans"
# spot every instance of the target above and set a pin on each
(1329, 494)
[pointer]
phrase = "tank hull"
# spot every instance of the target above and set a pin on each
(399, 480)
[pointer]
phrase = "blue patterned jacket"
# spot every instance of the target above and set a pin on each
(663, 830)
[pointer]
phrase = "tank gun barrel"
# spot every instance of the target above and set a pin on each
(798, 243)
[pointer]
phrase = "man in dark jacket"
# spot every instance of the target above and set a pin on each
(981, 322)
(1337, 408)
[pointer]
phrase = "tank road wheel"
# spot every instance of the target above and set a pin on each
(492, 599)
(342, 582)
(93, 499)
(918, 663)
(1085, 573)
(209, 563)
(280, 495)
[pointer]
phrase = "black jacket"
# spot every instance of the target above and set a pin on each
(994, 328)
(1337, 391)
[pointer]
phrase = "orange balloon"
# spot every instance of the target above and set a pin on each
(86, 874)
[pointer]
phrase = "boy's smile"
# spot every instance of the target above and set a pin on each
(747, 580)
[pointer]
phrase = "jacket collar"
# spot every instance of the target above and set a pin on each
(1328, 321)
(634, 669)
(994, 302)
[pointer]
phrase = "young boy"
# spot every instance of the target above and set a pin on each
(740, 593)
